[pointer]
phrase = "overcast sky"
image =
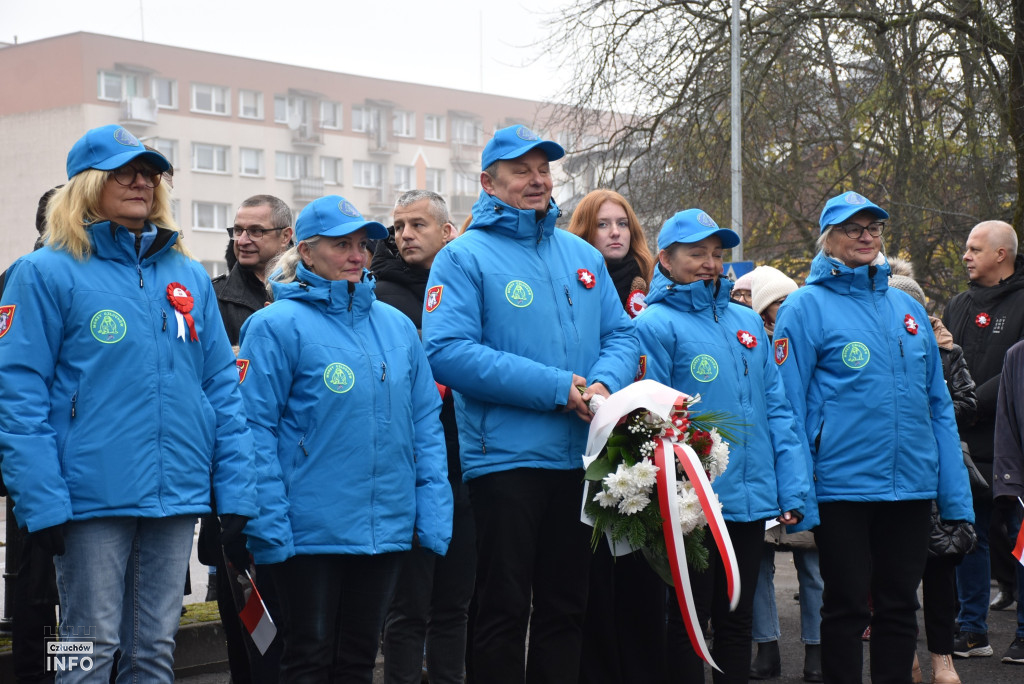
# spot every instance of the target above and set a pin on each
(476, 46)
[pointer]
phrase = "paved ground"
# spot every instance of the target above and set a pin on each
(972, 671)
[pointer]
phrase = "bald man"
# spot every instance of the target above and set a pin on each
(986, 321)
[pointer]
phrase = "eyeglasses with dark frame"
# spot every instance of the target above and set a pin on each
(126, 174)
(855, 230)
(235, 232)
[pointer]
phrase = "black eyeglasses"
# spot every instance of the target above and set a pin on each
(235, 232)
(855, 230)
(126, 175)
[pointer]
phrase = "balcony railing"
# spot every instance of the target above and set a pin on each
(139, 110)
(307, 189)
(307, 135)
(380, 143)
(462, 204)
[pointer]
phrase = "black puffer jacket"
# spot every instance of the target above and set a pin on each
(958, 378)
(404, 287)
(984, 347)
(239, 294)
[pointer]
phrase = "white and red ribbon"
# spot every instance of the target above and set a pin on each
(181, 299)
(662, 400)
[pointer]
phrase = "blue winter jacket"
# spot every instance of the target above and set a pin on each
(863, 373)
(344, 413)
(689, 340)
(507, 321)
(104, 411)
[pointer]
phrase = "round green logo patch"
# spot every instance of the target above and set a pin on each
(108, 326)
(704, 368)
(339, 378)
(518, 294)
(856, 355)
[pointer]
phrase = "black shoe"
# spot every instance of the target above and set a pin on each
(968, 644)
(812, 663)
(1015, 654)
(211, 589)
(1003, 599)
(768, 663)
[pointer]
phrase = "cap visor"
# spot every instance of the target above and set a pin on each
(552, 149)
(374, 230)
(158, 161)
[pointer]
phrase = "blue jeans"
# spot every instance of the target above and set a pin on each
(121, 583)
(973, 575)
(766, 615)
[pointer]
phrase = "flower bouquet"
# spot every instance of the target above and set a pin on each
(649, 466)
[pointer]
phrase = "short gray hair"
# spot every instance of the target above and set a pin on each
(280, 214)
(438, 207)
(822, 239)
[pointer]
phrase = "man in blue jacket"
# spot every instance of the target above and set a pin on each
(523, 322)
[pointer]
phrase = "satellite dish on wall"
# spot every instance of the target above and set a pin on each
(294, 119)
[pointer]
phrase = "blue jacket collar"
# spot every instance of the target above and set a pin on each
(114, 242)
(334, 295)
(837, 276)
(695, 296)
(491, 213)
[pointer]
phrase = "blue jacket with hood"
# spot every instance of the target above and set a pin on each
(863, 373)
(104, 411)
(507, 321)
(344, 412)
(689, 340)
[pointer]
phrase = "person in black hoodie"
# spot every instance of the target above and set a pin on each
(432, 598)
(985, 321)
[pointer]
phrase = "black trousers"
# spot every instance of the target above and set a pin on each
(731, 646)
(624, 633)
(332, 609)
(530, 542)
(938, 589)
(877, 548)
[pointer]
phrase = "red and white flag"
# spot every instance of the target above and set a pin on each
(1018, 548)
(256, 618)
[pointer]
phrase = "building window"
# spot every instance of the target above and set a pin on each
(280, 109)
(435, 180)
(165, 92)
(289, 166)
(331, 169)
(215, 268)
(208, 99)
(433, 127)
(210, 216)
(466, 186)
(112, 85)
(403, 124)
(250, 104)
(367, 174)
(250, 161)
(330, 114)
(176, 211)
(166, 147)
(211, 158)
(405, 178)
(465, 131)
(359, 119)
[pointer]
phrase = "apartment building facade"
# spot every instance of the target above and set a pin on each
(234, 127)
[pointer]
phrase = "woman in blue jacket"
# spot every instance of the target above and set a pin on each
(350, 453)
(863, 372)
(119, 406)
(694, 339)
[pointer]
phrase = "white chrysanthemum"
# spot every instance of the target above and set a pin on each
(634, 503)
(619, 483)
(645, 474)
(719, 458)
(690, 514)
(606, 500)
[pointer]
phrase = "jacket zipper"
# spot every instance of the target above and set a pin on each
(74, 402)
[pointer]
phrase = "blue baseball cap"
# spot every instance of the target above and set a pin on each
(110, 147)
(842, 207)
(515, 141)
(334, 216)
(693, 225)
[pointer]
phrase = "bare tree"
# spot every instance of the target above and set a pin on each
(917, 105)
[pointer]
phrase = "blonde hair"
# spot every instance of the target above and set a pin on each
(77, 205)
(282, 268)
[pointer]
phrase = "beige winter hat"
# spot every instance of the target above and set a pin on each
(769, 285)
